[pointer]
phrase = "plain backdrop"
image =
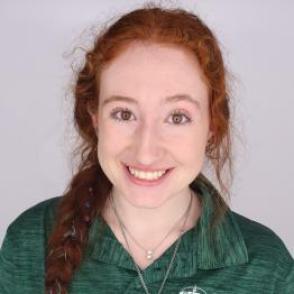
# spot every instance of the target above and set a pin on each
(36, 57)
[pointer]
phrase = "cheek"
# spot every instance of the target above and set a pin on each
(108, 144)
(111, 142)
(106, 151)
(192, 146)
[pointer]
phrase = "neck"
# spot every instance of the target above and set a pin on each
(146, 221)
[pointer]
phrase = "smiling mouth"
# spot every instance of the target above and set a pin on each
(145, 177)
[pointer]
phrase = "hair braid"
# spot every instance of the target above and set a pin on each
(76, 212)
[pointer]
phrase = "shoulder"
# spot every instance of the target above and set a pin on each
(24, 248)
(258, 236)
(265, 248)
(34, 220)
(31, 227)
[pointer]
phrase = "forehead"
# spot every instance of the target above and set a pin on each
(153, 70)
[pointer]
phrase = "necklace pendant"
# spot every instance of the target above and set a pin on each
(149, 254)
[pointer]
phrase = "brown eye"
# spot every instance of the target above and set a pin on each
(121, 114)
(177, 118)
(125, 115)
(180, 118)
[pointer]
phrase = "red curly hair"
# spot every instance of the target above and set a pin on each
(87, 192)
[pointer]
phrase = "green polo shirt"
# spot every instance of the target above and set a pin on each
(241, 256)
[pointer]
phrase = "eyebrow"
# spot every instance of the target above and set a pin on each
(173, 98)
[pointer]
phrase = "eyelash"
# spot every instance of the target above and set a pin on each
(175, 112)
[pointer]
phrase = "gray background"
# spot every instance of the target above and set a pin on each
(37, 38)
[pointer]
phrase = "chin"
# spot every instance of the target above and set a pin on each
(146, 202)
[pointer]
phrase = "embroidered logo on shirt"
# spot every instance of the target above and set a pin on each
(192, 290)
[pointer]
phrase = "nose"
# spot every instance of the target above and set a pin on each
(148, 144)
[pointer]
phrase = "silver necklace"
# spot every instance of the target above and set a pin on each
(149, 253)
(174, 253)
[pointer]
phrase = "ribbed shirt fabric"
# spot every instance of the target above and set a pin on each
(240, 256)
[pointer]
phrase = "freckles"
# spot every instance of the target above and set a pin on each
(194, 140)
(116, 136)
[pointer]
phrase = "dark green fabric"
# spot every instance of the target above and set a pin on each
(241, 256)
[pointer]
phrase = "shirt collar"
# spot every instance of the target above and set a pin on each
(201, 247)
(224, 245)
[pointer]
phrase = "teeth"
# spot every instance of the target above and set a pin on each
(146, 175)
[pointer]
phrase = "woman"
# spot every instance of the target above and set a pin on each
(151, 105)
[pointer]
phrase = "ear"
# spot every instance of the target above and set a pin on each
(94, 118)
(210, 134)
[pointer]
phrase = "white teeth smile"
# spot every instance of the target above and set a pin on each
(146, 175)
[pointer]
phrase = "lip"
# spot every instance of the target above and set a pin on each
(142, 168)
(146, 182)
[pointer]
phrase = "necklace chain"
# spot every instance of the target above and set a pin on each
(174, 253)
(149, 252)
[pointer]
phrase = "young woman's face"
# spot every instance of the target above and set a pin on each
(153, 112)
